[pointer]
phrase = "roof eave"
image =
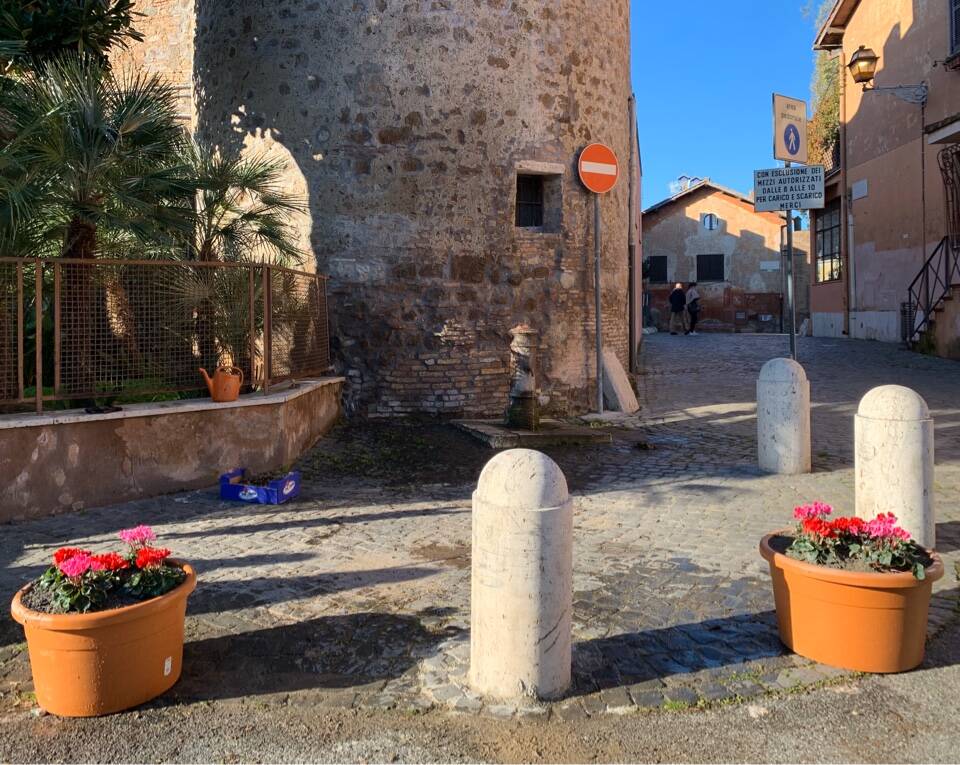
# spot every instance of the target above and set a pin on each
(706, 183)
(830, 35)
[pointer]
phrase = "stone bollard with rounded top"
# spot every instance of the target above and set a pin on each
(522, 578)
(783, 418)
(893, 460)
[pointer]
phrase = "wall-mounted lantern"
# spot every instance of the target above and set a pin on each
(863, 68)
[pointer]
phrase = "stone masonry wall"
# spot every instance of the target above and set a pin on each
(406, 123)
(168, 27)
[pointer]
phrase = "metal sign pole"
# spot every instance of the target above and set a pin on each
(597, 232)
(791, 303)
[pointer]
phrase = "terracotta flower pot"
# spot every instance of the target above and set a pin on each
(862, 621)
(86, 665)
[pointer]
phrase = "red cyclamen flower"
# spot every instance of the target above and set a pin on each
(111, 561)
(819, 527)
(849, 525)
(65, 553)
(151, 556)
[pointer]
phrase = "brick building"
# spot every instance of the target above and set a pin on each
(437, 148)
(711, 235)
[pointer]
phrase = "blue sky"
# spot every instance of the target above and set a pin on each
(704, 73)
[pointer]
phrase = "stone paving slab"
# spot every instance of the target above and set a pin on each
(357, 594)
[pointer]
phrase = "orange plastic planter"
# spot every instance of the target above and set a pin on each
(86, 665)
(862, 621)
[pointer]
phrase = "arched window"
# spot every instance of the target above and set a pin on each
(711, 222)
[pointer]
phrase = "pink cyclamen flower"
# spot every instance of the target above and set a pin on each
(884, 526)
(79, 565)
(809, 512)
(139, 535)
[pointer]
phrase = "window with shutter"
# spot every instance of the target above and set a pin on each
(710, 268)
(658, 269)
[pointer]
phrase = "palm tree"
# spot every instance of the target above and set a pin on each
(243, 214)
(243, 211)
(91, 150)
(93, 161)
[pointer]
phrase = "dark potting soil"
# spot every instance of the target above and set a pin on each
(40, 599)
(780, 542)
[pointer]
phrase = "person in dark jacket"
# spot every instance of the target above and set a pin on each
(678, 310)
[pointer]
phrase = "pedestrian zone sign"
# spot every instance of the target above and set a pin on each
(789, 129)
(788, 188)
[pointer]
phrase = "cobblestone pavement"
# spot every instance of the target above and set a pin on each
(357, 594)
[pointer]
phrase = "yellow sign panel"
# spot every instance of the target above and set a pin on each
(789, 129)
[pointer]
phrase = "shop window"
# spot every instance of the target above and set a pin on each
(954, 27)
(827, 243)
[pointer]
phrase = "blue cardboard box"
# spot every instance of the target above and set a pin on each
(233, 487)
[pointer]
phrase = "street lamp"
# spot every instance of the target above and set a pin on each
(863, 68)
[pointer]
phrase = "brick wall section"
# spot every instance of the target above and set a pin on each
(405, 122)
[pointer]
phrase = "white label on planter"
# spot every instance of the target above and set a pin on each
(168, 666)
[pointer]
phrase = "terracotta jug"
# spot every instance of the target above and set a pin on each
(225, 384)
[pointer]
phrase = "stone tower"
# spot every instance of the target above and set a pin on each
(413, 127)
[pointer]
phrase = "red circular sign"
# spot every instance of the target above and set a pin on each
(599, 168)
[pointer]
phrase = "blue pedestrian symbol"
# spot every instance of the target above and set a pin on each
(791, 138)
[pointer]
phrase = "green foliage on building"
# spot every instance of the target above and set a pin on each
(41, 30)
(824, 128)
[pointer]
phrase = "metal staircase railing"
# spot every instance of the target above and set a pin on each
(931, 287)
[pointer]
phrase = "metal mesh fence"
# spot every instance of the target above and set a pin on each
(11, 295)
(299, 339)
(129, 328)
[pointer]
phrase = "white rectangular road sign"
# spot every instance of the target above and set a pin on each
(789, 129)
(788, 188)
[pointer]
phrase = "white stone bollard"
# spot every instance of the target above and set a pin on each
(783, 418)
(522, 578)
(893, 460)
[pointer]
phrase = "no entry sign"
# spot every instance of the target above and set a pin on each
(599, 168)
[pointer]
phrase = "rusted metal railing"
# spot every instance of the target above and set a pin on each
(107, 329)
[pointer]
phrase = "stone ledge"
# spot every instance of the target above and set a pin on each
(279, 394)
(71, 461)
(551, 433)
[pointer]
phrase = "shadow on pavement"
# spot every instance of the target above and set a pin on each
(329, 652)
(637, 657)
(300, 523)
(229, 595)
(948, 536)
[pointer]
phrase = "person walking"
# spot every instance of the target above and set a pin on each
(693, 307)
(678, 310)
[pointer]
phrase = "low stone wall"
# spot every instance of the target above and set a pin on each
(71, 460)
(725, 308)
